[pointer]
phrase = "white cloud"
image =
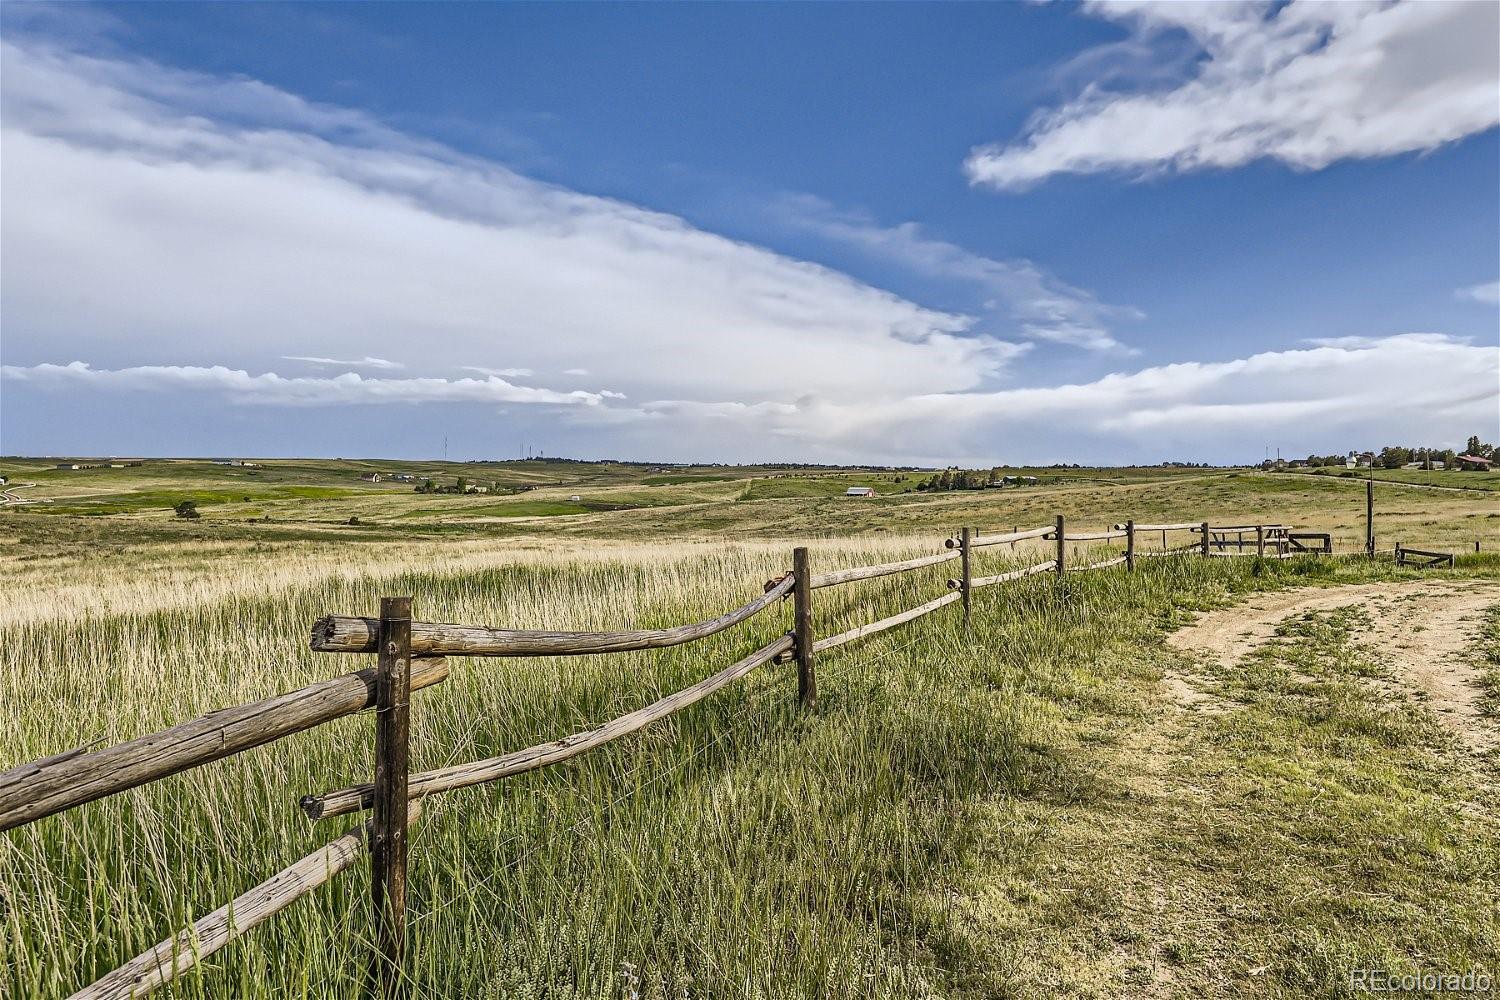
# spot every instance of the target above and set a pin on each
(209, 221)
(219, 224)
(1307, 83)
(1486, 292)
(380, 363)
(499, 372)
(575, 371)
(1412, 387)
(1041, 306)
(270, 388)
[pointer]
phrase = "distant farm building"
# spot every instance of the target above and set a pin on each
(370, 477)
(402, 477)
(860, 491)
(1473, 463)
(575, 498)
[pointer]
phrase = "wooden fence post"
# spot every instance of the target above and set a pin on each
(967, 540)
(1260, 540)
(1061, 546)
(389, 818)
(1205, 538)
(807, 681)
(1370, 517)
(1130, 546)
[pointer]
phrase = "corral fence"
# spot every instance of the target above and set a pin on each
(411, 656)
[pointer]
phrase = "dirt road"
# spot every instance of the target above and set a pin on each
(1421, 629)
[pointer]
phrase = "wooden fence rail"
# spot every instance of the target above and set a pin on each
(410, 658)
(53, 784)
(1422, 559)
(345, 634)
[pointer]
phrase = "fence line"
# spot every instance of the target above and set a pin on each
(411, 658)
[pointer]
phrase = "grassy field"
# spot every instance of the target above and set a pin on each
(1016, 809)
(1451, 478)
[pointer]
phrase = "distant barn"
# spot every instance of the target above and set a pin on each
(860, 491)
(370, 477)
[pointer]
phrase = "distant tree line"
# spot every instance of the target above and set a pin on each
(1395, 456)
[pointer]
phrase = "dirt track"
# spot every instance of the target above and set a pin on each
(1421, 629)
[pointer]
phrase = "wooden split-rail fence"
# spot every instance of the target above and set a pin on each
(412, 655)
(1421, 558)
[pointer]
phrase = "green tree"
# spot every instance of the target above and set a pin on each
(188, 510)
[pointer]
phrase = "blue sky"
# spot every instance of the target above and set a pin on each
(971, 233)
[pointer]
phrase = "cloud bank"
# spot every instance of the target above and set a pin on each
(185, 234)
(1306, 83)
(271, 389)
(198, 219)
(1353, 389)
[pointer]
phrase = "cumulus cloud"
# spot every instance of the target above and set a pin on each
(270, 388)
(380, 363)
(1040, 305)
(1487, 292)
(1306, 83)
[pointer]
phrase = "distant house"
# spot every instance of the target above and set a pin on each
(241, 463)
(69, 465)
(4, 480)
(1366, 460)
(575, 498)
(860, 491)
(370, 477)
(1473, 463)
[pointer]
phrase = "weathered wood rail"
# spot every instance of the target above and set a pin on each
(1421, 558)
(411, 657)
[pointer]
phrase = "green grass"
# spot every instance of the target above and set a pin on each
(1487, 653)
(962, 815)
(1442, 477)
(678, 480)
(148, 500)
